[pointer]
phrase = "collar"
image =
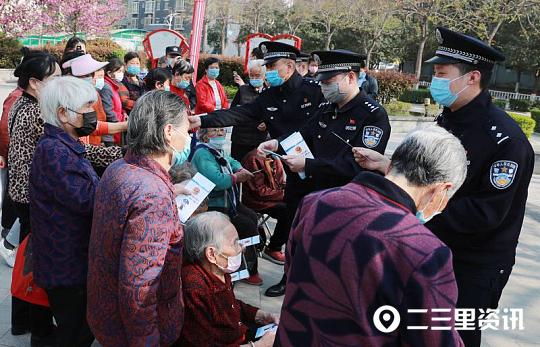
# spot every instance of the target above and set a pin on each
(215, 284)
(112, 82)
(469, 113)
(150, 165)
(386, 188)
(31, 97)
(293, 83)
(65, 138)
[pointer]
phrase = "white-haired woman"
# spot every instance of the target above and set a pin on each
(246, 137)
(62, 187)
(213, 316)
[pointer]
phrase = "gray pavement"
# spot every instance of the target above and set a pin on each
(522, 290)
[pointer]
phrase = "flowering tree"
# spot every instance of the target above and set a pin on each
(18, 16)
(89, 16)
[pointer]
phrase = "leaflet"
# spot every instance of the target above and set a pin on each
(187, 204)
(295, 145)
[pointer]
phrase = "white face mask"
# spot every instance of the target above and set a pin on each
(119, 76)
(233, 263)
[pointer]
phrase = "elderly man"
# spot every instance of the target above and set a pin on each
(359, 257)
(213, 316)
(247, 135)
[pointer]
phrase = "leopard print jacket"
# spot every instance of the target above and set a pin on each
(25, 127)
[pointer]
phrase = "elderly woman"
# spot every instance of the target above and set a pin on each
(135, 255)
(213, 316)
(62, 188)
(210, 93)
(246, 137)
(370, 249)
(182, 72)
(132, 81)
(225, 172)
(158, 79)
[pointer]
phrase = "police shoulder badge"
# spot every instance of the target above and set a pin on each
(371, 136)
(502, 173)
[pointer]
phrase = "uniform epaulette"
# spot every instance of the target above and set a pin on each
(497, 134)
(371, 106)
(324, 104)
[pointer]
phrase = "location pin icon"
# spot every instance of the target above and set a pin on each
(386, 319)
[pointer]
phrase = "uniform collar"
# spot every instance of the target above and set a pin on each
(65, 138)
(150, 165)
(292, 83)
(469, 112)
(387, 189)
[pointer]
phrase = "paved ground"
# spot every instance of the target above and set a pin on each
(522, 290)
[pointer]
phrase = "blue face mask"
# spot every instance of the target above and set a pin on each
(362, 75)
(440, 90)
(273, 78)
(422, 218)
(182, 84)
(167, 88)
(133, 70)
(217, 142)
(181, 157)
(100, 83)
(256, 83)
(213, 73)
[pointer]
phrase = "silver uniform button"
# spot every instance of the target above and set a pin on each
(319, 136)
(502, 271)
(284, 100)
(271, 118)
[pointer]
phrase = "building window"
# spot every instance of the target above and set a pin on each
(147, 21)
(149, 7)
(178, 23)
(134, 23)
(134, 7)
(180, 6)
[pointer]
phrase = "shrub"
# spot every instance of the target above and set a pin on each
(230, 91)
(392, 84)
(226, 67)
(416, 96)
(500, 103)
(397, 108)
(535, 114)
(520, 105)
(527, 124)
(10, 52)
(100, 49)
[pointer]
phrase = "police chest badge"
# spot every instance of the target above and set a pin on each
(502, 173)
(372, 136)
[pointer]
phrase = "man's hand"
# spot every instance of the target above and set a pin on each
(262, 127)
(194, 122)
(296, 163)
(266, 318)
(243, 176)
(267, 340)
(238, 80)
(270, 145)
(371, 160)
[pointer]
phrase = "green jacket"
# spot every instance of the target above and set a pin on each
(206, 164)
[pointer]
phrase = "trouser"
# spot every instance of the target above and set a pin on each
(68, 305)
(479, 289)
(245, 223)
(238, 152)
(24, 315)
(283, 226)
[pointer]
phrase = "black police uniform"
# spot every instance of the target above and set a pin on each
(482, 222)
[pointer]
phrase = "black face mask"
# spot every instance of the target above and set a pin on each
(89, 123)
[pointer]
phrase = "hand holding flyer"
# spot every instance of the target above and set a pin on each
(187, 204)
(295, 145)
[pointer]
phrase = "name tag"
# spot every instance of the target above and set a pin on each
(350, 127)
(305, 105)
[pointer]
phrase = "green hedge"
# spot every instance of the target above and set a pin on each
(226, 67)
(527, 124)
(100, 49)
(416, 96)
(397, 108)
(230, 91)
(500, 103)
(535, 114)
(10, 52)
(520, 105)
(392, 84)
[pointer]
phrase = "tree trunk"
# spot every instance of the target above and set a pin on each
(205, 37)
(223, 36)
(536, 82)
(517, 81)
(329, 35)
(493, 32)
(421, 46)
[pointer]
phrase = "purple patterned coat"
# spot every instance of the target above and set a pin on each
(135, 257)
(354, 249)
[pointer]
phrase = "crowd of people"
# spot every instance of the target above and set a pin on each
(94, 155)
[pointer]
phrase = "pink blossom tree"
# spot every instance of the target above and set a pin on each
(18, 16)
(92, 17)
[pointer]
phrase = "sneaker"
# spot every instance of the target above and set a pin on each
(276, 257)
(8, 255)
(254, 280)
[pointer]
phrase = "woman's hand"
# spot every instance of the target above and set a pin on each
(238, 80)
(180, 189)
(371, 160)
(267, 340)
(265, 318)
(296, 163)
(270, 145)
(3, 162)
(243, 176)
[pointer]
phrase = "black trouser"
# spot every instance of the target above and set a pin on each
(245, 223)
(283, 226)
(24, 315)
(238, 152)
(9, 215)
(479, 289)
(69, 309)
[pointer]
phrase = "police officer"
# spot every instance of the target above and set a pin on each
(172, 54)
(349, 119)
(285, 107)
(482, 222)
(302, 64)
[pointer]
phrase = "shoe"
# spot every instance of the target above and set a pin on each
(276, 290)
(8, 255)
(254, 280)
(18, 331)
(276, 257)
(46, 341)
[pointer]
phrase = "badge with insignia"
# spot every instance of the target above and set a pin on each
(372, 136)
(502, 173)
(272, 109)
(322, 125)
